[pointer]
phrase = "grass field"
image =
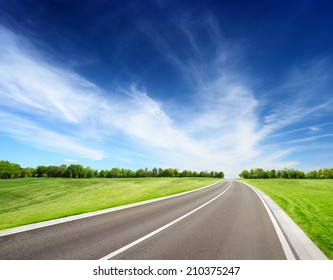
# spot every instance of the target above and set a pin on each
(25, 201)
(308, 202)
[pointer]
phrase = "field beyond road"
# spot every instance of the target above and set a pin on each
(308, 202)
(31, 200)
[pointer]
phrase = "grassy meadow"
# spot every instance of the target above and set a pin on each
(308, 202)
(30, 200)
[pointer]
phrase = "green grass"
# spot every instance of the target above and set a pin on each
(308, 202)
(26, 201)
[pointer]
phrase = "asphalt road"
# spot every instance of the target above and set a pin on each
(225, 221)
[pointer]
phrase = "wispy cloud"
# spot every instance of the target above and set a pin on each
(229, 120)
(307, 139)
(70, 160)
(222, 128)
(30, 132)
(39, 95)
(316, 128)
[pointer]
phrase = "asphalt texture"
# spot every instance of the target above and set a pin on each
(235, 225)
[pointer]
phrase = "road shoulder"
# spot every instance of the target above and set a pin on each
(303, 247)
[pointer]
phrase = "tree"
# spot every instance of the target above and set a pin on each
(76, 171)
(299, 174)
(311, 175)
(103, 173)
(128, 173)
(245, 174)
(9, 170)
(278, 174)
(62, 170)
(168, 172)
(5, 170)
(89, 172)
(53, 171)
(160, 172)
(220, 175)
(327, 173)
(27, 172)
(12, 170)
(283, 174)
(141, 173)
(41, 171)
(154, 172)
(271, 173)
(115, 173)
(203, 174)
(184, 173)
(259, 173)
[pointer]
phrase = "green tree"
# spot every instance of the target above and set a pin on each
(220, 175)
(168, 172)
(284, 174)
(115, 173)
(89, 173)
(53, 171)
(245, 174)
(271, 173)
(184, 173)
(62, 170)
(311, 174)
(76, 171)
(128, 173)
(154, 172)
(141, 173)
(41, 171)
(203, 174)
(103, 173)
(28, 172)
(327, 173)
(9, 170)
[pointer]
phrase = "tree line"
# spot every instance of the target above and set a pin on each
(259, 173)
(10, 170)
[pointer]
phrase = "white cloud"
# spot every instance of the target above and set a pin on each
(126, 160)
(222, 129)
(70, 160)
(64, 101)
(32, 133)
(222, 133)
(314, 129)
(308, 139)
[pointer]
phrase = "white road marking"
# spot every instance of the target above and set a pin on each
(284, 243)
(128, 246)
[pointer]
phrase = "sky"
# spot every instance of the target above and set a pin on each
(199, 85)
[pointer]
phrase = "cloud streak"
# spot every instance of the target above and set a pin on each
(29, 132)
(65, 102)
(222, 128)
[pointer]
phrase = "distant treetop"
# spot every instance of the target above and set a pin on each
(259, 173)
(10, 170)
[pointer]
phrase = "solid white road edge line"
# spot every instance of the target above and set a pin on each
(284, 243)
(128, 246)
(92, 214)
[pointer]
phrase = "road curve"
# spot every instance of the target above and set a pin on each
(224, 221)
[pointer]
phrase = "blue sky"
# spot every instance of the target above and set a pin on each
(201, 85)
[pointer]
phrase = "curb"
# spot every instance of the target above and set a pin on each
(302, 246)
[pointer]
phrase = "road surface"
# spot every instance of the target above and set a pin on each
(225, 221)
